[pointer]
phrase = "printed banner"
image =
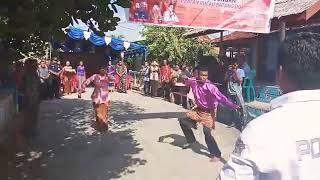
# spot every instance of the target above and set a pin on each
(233, 15)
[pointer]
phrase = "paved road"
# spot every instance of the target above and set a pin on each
(144, 143)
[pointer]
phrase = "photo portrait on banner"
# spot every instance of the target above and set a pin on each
(234, 15)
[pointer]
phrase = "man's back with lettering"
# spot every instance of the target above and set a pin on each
(284, 144)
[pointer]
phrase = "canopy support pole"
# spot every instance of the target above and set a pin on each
(282, 31)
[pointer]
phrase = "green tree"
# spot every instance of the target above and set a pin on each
(25, 25)
(168, 43)
(130, 62)
(120, 36)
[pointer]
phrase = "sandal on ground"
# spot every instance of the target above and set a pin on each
(215, 159)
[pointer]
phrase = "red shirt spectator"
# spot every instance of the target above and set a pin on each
(165, 72)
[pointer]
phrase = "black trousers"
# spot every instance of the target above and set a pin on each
(54, 86)
(186, 124)
(165, 87)
(236, 117)
(44, 89)
(146, 87)
(154, 88)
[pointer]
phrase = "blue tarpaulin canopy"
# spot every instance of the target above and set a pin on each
(78, 31)
(115, 44)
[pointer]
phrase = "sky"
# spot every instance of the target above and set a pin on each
(130, 31)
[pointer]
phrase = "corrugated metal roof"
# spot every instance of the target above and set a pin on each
(199, 31)
(236, 36)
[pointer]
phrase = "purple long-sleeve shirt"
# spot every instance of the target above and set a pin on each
(207, 96)
(111, 70)
(81, 71)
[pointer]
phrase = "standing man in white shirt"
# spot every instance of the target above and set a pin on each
(244, 65)
(284, 144)
(146, 78)
(235, 76)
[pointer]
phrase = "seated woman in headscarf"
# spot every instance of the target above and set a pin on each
(100, 96)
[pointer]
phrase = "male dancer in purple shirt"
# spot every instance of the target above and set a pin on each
(207, 97)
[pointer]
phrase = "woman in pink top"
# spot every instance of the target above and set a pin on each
(100, 96)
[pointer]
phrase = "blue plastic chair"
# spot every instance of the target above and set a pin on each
(266, 94)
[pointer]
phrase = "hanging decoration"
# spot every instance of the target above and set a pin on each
(86, 35)
(116, 44)
(64, 30)
(77, 34)
(126, 45)
(107, 40)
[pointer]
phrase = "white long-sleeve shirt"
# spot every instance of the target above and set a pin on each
(283, 144)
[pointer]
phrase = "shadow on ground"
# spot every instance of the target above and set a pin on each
(68, 146)
(126, 113)
(179, 141)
